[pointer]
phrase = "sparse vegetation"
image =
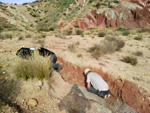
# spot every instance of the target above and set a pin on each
(130, 59)
(139, 37)
(67, 31)
(79, 32)
(138, 53)
(6, 36)
(35, 67)
(109, 45)
(6, 26)
(59, 35)
(79, 55)
(101, 34)
(126, 33)
(144, 29)
(72, 47)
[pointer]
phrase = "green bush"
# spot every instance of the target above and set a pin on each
(130, 59)
(144, 29)
(101, 34)
(35, 67)
(138, 53)
(98, 5)
(121, 29)
(126, 33)
(139, 37)
(79, 32)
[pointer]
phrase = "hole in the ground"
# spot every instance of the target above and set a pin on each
(120, 89)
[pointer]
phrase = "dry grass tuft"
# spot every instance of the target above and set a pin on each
(130, 59)
(33, 67)
(109, 45)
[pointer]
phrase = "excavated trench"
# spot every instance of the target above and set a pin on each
(125, 90)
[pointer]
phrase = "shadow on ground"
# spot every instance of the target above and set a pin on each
(9, 89)
(74, 103)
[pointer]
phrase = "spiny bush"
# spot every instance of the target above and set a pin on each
(72, 48)
(126, 33)
(67, 31)
(138, 53)
(6, 26)
(6, 36)
(119, 43)
(139, 37)
(33, 67)
(109, 45)
(79, 32)
(144, 29)
(130, 59)
(101, 34)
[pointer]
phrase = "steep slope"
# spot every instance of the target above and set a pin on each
(45, 15)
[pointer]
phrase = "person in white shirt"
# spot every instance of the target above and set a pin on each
(95, 84)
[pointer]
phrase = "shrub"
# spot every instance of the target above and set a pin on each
(79, 32)
(126, 33)
(121, 29)
(72, 48)
(144, 29)
(109, 45)
(130, 59)
(6, 36)
(67, 31)
(98, 5)
(120, 43)
(28, 35)
(21, 38)
(139, 37)
(138, 53)
(79, 55)
(59, 35)
(35, 67)
(101, 34)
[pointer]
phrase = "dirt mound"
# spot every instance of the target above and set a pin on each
(125, 14)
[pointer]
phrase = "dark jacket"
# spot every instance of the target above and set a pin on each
(45, 52)
(24, 52)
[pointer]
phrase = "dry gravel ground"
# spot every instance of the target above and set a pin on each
(111, 63)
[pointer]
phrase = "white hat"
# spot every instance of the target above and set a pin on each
(86, 71)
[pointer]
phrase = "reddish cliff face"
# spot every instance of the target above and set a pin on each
(123, 89)
(124, 15)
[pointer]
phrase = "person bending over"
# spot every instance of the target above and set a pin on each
(95, 84)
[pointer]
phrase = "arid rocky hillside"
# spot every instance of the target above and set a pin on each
(44, 15)
(109, 36)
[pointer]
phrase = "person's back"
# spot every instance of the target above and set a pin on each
(45, 52)
(24, 52)
(96, 80)
(95, 84)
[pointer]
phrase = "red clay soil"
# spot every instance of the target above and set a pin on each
(124, 89)
(122, 17)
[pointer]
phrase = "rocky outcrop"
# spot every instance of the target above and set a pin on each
(72, 99)
(125, 14)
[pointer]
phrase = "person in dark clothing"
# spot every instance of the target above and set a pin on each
(24, 52)
(45, 52)
(28, 52)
